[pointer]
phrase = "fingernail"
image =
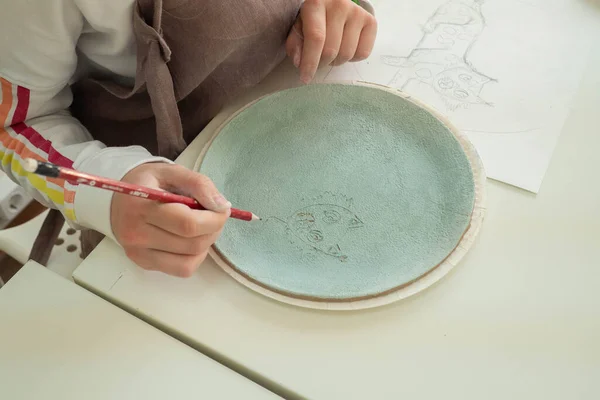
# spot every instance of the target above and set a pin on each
(306, 78)
(296, 59)
(221, 202)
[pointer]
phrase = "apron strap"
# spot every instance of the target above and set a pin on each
(157, 76)
(169, 132)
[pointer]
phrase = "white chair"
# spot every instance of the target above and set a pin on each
(65, 257)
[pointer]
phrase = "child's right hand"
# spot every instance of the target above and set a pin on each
(171, 238)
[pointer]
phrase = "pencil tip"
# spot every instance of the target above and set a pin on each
(255, 217)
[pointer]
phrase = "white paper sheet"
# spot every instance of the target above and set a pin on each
(503, 71)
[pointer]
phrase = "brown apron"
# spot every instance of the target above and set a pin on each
(192, 57)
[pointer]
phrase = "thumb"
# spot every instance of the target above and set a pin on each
(294, 43)
(198, 186)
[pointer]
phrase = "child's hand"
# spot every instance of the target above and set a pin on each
(171, 238)
(330, 32)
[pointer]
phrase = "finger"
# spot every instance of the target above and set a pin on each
(172, 264)
(349, 41)
(152, 237)
(294, 42)
(180, 220)
(333, 38)
(367, 40)
(314, 31)
(200, 187)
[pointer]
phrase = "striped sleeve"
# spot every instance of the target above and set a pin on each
(36, 124)
(20, 140)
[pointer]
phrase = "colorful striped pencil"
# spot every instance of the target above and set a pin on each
(75, 177)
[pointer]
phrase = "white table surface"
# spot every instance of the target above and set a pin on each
(519, 318)
(61, 342)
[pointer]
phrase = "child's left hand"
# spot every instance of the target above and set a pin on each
(330, 32)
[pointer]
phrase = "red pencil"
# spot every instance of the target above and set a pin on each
(75, 177)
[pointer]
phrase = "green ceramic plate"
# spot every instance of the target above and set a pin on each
(361, 191)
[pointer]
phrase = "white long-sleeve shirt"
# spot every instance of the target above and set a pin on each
(45, 45)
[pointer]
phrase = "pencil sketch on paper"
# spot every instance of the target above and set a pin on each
(441, 58)
(323, 224)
